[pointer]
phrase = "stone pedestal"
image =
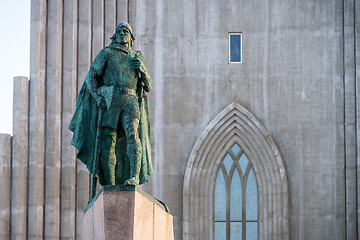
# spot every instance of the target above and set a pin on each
(126, 213)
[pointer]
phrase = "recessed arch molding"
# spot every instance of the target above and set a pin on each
(235, 124)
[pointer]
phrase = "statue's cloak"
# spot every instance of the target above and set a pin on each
(84, 126)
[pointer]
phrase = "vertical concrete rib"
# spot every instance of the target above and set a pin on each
(19, 158)
(37, 119)
(5, 185)
(83, 64)
(110, 20)
(158, 85)
(69, 90)
(350, 120)
(132, 13)
(97, 27)
(122, 11)
(97, 33)
(53, 119)
(339, 171)
(357, 100)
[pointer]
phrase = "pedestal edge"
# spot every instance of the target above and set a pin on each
(120, 188)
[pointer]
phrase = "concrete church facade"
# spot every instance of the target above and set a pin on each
(291, 106)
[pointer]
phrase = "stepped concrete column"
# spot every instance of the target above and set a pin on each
(5, 182)
(19, 158)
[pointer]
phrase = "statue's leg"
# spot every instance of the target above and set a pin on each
(108, 155)
(134, 149)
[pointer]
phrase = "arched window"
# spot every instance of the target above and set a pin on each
(235, 153)
(235, 198)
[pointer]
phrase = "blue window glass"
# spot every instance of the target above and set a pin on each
(220, 230)
(251, 197)
(220, 197)
(235, 231)
(251, 231)
(228, 161)
(236, 149)
(235, 197)
(243, 163)
(235, 48)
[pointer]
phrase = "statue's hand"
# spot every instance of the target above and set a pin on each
(100, 101)
(139, 65)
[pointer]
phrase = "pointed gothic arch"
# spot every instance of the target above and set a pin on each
(235, 124)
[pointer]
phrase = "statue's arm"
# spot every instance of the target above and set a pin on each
(147, 80)
(94, 75)
(145, 77)
(91, 83)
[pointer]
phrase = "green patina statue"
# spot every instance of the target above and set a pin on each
(111, 121)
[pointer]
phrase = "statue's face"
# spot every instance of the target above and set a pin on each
(123, 36)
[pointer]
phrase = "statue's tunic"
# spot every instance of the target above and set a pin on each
(113, 69)
(114, 64)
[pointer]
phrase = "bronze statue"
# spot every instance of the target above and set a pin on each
(111, 121)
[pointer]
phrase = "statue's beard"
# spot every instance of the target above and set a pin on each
(119, 40)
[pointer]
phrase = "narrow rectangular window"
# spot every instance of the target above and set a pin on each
(235, 45)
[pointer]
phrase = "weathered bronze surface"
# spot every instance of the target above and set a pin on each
(111, 121)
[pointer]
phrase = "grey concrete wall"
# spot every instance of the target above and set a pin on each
(298, 78)
(295, 55)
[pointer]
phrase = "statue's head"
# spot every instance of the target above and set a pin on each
(123, 34)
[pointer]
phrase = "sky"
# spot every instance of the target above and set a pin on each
(15, 53)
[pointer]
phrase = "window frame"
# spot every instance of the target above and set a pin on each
(228, 180)
(241, 51)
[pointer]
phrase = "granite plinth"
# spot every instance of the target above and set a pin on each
(124, 213)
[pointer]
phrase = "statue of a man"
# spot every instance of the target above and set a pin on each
(111, 120)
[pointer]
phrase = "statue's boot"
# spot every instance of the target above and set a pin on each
(134, 152)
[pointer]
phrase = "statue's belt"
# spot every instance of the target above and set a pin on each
(108, 92)
(123, 90)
